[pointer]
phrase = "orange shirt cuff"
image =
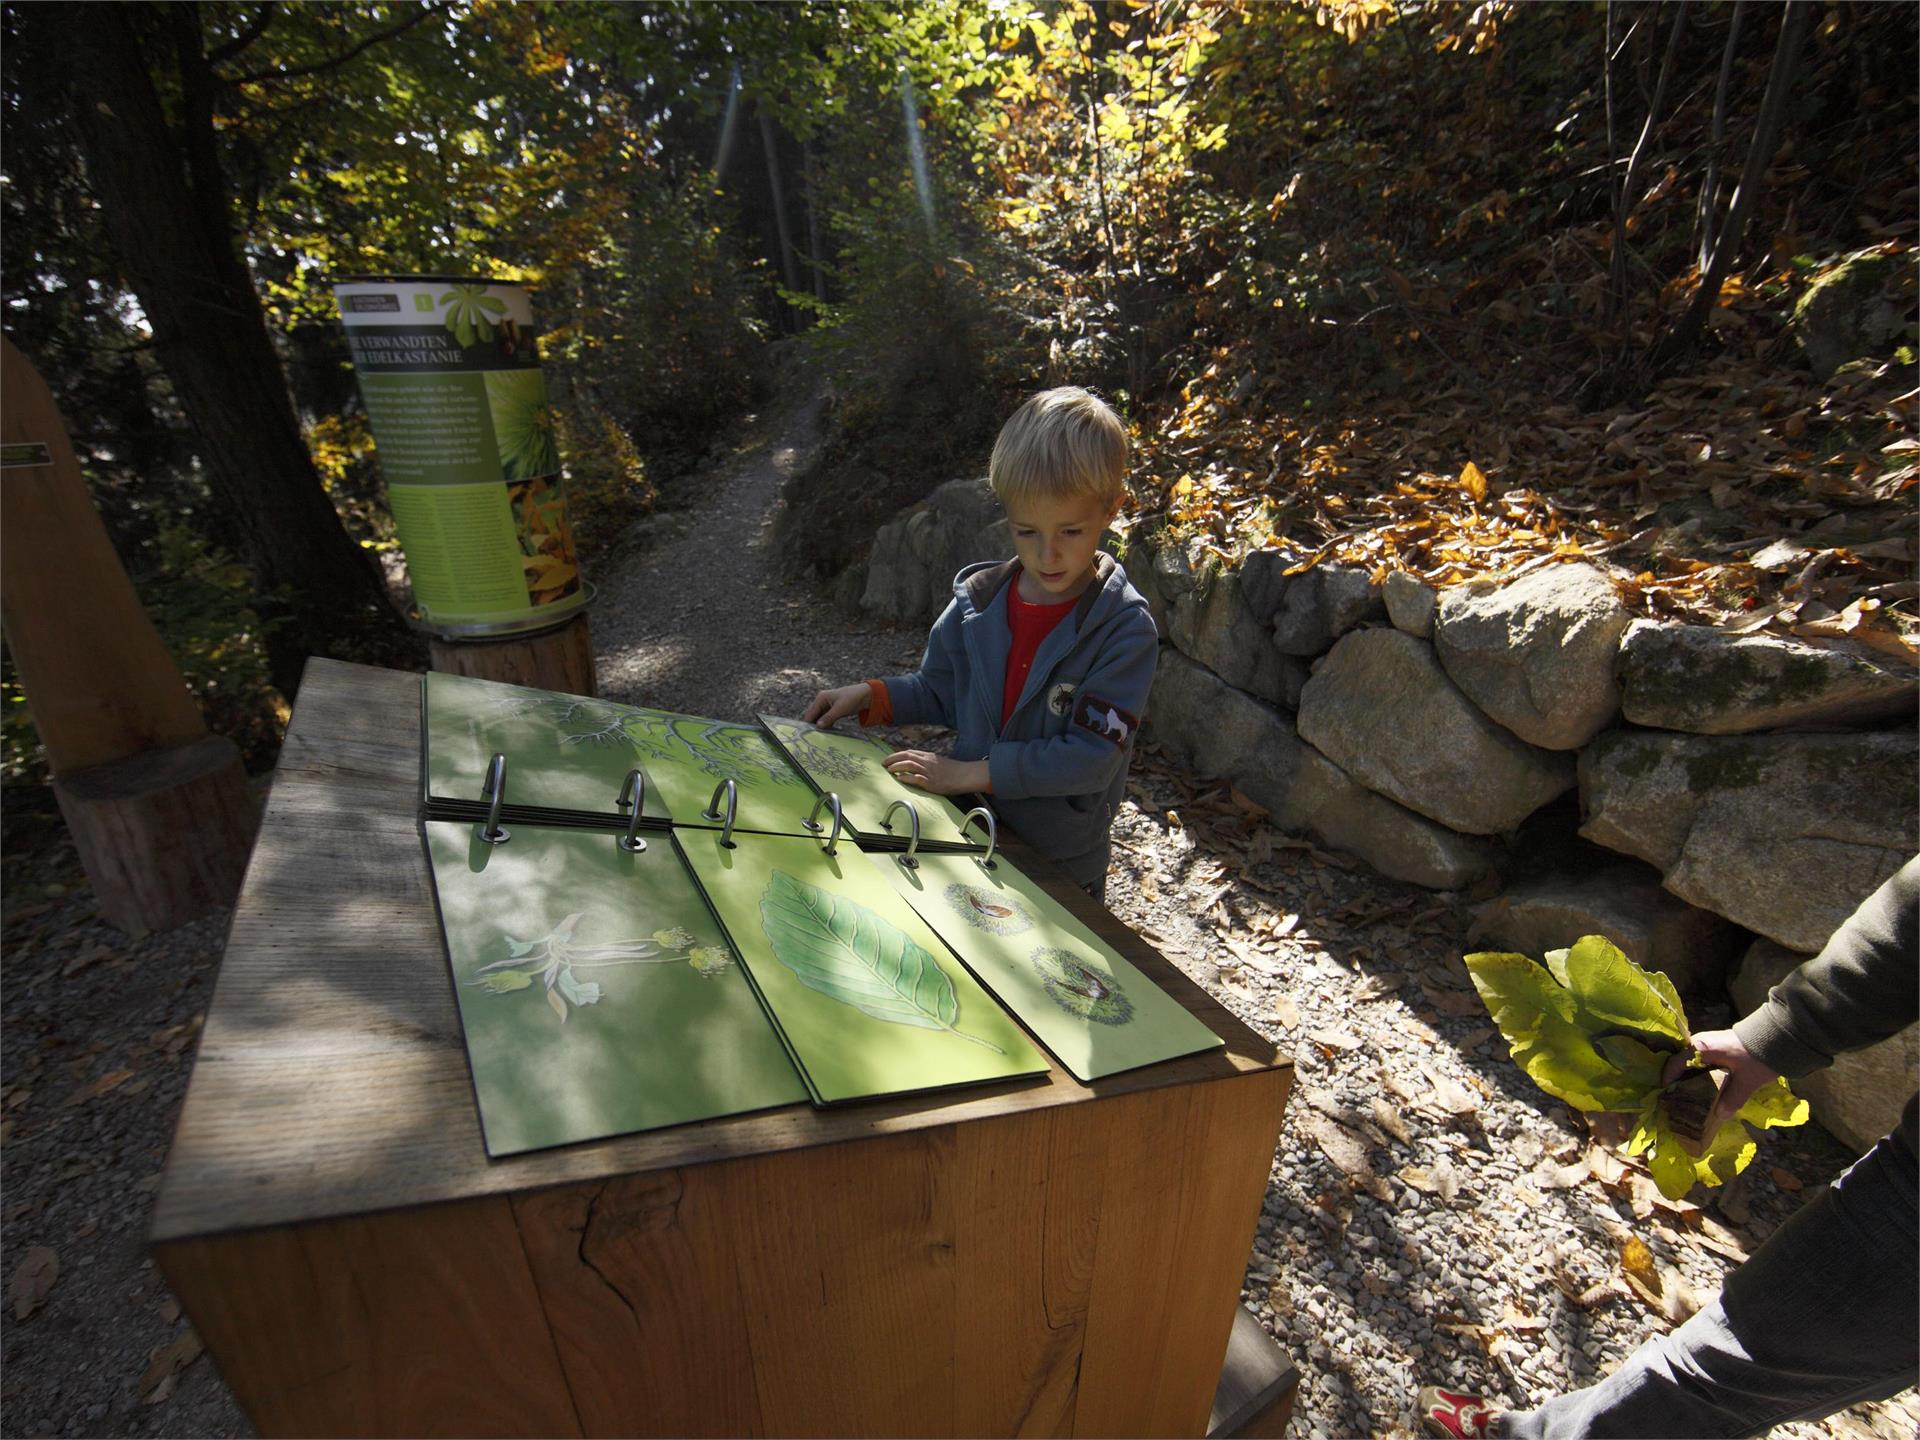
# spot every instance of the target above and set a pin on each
(879, 709)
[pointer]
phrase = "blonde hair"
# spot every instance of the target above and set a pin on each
(1060, 443)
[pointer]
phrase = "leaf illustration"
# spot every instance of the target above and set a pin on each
(850, 954)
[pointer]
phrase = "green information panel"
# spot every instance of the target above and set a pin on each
(852, 767)
(465, 438)
(866, 996)
(1085, 1001)
(597, 994)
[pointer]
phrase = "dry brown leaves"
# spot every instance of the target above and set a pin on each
(1686, 494)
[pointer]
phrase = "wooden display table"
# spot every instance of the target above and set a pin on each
(1043, 1257)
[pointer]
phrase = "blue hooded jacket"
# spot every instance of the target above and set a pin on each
(1059, 766)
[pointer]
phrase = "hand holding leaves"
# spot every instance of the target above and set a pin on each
(1594, 1029)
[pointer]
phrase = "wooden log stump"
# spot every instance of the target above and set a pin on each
(560, 659)
(165, 833)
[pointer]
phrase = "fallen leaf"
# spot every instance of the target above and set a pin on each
(1457, 1003)
(1472, 481)
(167, 1362)
(33, 1277)
(112, 1080)
(1333, 1040)
(1391, 1121)
(1520, 1321)
(85, 960)
(1785, 1179)
(1436, 1179)
(1375, 987)
(1286, 1012)
(1451, 1097)
(1549, 1176)
(1348, 1152)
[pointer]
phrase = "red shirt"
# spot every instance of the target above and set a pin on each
(1030, 625)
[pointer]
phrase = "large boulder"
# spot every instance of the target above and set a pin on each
(1221, 732)
(1222, 620)
(1784, 834)
(1699, 679)
(1316, 608)
(1538, 654)
(1847, 314)
(1623, 901)
(1381, 708)
(915, 556)
(1860, 1096)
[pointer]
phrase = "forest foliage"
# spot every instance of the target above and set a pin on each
(1446, 287)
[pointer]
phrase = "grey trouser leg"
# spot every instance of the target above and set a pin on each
(1823, 1316)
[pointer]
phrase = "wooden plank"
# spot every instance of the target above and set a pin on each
(423, 1323)
(1027, 1213)
(331, 1078)
(1186, 1170)
(98, 678)
(638, 1283)
(1258, 1383)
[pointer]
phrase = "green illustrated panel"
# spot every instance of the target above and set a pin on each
(852, 767)
(565, 753)
(1086, 1002)
(597, 995)
(568, 756)
(867, 998)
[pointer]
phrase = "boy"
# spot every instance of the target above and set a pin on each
(1041, 663)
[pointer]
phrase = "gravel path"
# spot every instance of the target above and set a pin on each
(1431, 1217)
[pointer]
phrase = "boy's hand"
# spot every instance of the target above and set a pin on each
(939, 774)
(832, 705)
(1723, 1050)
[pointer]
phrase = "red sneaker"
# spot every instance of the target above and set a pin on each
(1455, 1414)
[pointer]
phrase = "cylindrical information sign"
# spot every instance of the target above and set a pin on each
(460, 421)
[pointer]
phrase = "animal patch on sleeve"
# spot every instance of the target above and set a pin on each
(1105, 719)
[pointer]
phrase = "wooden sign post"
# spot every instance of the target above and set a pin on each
(158, 808)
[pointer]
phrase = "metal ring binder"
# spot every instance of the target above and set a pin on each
(634, 793)
(634, 781)
(813, 818)
(495, 792)
(980, 812)
(712, 812)
(913, 838)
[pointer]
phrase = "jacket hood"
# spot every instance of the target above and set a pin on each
(977, 586)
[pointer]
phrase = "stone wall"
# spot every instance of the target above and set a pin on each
(1728, 786)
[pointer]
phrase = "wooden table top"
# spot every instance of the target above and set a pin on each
(332, 1078)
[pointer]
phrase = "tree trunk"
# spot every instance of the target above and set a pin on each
(168, 212)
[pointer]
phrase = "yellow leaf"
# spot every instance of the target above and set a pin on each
(1473, 482)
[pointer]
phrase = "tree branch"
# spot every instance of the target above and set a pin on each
(320, 67)
(246, 37)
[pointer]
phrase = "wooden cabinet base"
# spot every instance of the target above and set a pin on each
(559, 659)
(164, 835)
(1069, 1271)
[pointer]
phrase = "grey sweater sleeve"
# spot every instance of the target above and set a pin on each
(1863, 987)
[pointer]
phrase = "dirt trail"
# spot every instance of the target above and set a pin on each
(692, 615)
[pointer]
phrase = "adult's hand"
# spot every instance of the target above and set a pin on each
(1724, 1051)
